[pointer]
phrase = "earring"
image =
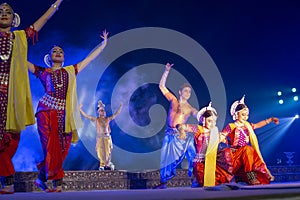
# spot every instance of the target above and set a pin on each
(16, 21)
(203, 121)
(236, 116)
(47, 60)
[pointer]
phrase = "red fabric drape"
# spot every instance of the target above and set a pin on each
(6, 155)
(55, 145)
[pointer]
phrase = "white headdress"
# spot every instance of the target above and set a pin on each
(202, 111)
(100, 105)
(234, 106)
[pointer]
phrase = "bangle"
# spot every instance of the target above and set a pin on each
(54, 6)
(267, 121)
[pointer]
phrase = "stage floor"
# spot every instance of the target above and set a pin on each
(273, 191)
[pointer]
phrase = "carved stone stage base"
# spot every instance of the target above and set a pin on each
(102, 180)
(116, 180)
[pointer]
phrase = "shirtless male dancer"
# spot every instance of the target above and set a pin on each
(176, 147)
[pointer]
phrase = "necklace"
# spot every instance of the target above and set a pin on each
(239, 124)
(4, 42)
(61, 79)
(4, 78)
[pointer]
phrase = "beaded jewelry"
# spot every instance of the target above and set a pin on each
(56, 79)
(3, 56)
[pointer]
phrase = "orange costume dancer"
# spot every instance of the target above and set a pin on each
(104, 143)
(15, 96)
(249, 165)
(57, 115)
(212, 164)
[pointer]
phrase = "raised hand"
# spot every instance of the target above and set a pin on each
(168, 66)
(94, 53)
(275, 120)
(104, 37)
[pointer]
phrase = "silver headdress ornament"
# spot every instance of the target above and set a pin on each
(16, 21)
(100, 105)
(202, 111)
(47, 60)
(234, 105)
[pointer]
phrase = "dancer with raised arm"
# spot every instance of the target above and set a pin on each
(104, 143)
(15, 96)
(174, 148)
(57, 115)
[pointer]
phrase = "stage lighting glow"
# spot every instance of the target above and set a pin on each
(296, 116)
(295, 98)
(279, 93)
(280, 101)
(294, 89)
